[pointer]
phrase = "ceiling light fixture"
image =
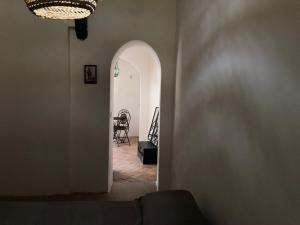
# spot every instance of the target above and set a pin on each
(62, 9)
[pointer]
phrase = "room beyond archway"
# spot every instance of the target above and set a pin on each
(135, 89)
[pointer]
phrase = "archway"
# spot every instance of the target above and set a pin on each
(142, 59)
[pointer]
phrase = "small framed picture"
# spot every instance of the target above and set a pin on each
(90, 74)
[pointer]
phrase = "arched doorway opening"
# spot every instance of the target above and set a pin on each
(135, 86)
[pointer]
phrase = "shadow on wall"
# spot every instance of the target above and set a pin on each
(237, 112)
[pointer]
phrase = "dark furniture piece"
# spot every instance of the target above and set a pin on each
(121, 127)
(161, 208)
(171, 208)
(147, 152)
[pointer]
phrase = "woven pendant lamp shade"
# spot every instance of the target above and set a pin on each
(62, 9)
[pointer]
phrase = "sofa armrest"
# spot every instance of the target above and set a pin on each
(171, 208)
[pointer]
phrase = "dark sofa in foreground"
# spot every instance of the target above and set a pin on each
(161, 208)
(170, 208)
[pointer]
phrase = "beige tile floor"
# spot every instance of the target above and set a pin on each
(127, 166)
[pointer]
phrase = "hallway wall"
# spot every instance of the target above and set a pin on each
(113, 25)
(54, 130)
(127, 94)
(237, 124)
(34, 98)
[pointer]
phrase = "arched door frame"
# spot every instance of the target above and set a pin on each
(133, 43)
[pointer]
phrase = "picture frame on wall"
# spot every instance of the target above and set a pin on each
(90, 74)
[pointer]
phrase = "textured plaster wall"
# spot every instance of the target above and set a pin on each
(237, 124)
(54, 130)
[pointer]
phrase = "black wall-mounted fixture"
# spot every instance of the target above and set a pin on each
(81, 28)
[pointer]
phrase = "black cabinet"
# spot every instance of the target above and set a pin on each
(147, 152)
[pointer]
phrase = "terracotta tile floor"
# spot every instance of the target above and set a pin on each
(128, 167)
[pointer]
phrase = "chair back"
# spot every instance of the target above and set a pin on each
(125, 117)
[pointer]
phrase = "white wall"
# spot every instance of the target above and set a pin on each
(236, 144)
(54, 130)
(155, 88)
(127, 94)
(149, 68)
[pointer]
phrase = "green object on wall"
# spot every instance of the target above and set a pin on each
(117, 70)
